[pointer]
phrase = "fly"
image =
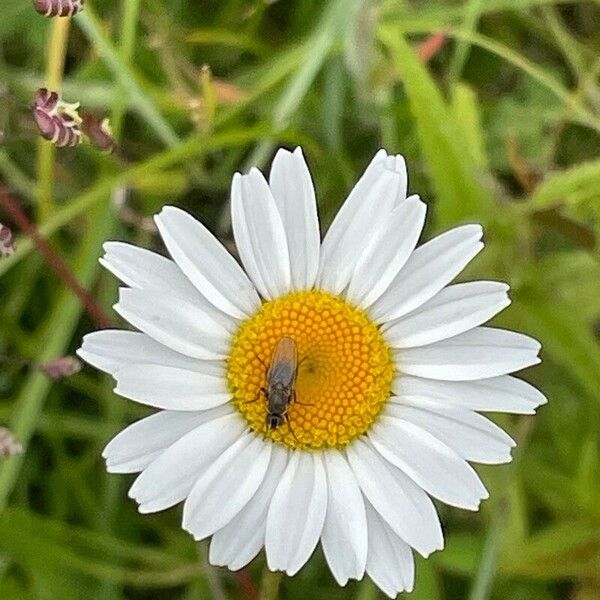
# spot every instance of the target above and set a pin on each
(281, 381)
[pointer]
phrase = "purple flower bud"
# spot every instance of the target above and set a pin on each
(99, 133)
(56, 120)
(58, 8)
(9, 445)
(61, 367)
(7, 244)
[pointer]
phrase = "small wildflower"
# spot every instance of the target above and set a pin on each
(57, 121)
(58, 8)
(9, 445)
(318, 391)
(7, 244)
(61, 367)
(99, 133)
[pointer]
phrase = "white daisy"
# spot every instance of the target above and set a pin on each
(393, 366)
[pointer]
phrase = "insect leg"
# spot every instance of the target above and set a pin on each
(262, 389)
(295, 401)
(289, 423)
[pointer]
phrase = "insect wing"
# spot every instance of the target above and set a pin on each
(284, 362)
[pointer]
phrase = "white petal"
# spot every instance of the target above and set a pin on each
(403, 505)
(259, 234)
(294, 194)
(181, 326)
(454, 310)
(111, 349)
(238, 542)
(496, 394)
(134, 448)
(169, 479)
(428, 462)
(470, 435)
(206, 263)
(367, 208)
(390, 563)
(386, 252)
(226, 486)
(429, 268)
(297, 513)
(142, 269)
(476, 354)
(171, 388)
(344, 538)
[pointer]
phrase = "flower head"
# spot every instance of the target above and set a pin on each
(324, 392)
(58, 121)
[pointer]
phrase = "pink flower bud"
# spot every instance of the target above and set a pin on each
(57, 120)
(7, 244)
(58, 8)
(61, 367)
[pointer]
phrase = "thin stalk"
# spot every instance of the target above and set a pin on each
(270, 583)
(91, 27)
(486, 573)
(194, 146)
(461, 52)
(115, 411)
(131, 9)
(46, 156)
(53, 341)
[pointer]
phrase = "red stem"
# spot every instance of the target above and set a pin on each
(50, 255)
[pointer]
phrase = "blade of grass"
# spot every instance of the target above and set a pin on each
(460, 195)
(192, 147)
(89, 24)
(461, 50)
(570, 99)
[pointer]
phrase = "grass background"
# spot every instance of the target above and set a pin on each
(500, 126)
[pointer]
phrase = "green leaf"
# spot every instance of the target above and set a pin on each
(459, 191)
(566, 549)
(573, 186)
(563, 335)
(465, 109)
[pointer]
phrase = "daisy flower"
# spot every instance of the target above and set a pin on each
(388, 368)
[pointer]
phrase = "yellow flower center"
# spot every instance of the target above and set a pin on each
(343, 377)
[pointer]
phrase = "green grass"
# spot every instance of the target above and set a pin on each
(501, 127)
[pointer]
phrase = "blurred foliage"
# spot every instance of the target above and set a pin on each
(501, 126)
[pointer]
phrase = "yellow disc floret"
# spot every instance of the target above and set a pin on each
(344, 375)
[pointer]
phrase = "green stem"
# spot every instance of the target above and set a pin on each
(56, 51)
(269, 585)
(194, 146)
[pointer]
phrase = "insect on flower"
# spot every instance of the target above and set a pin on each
(281, 381)
(57, 121)
(58, 8)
